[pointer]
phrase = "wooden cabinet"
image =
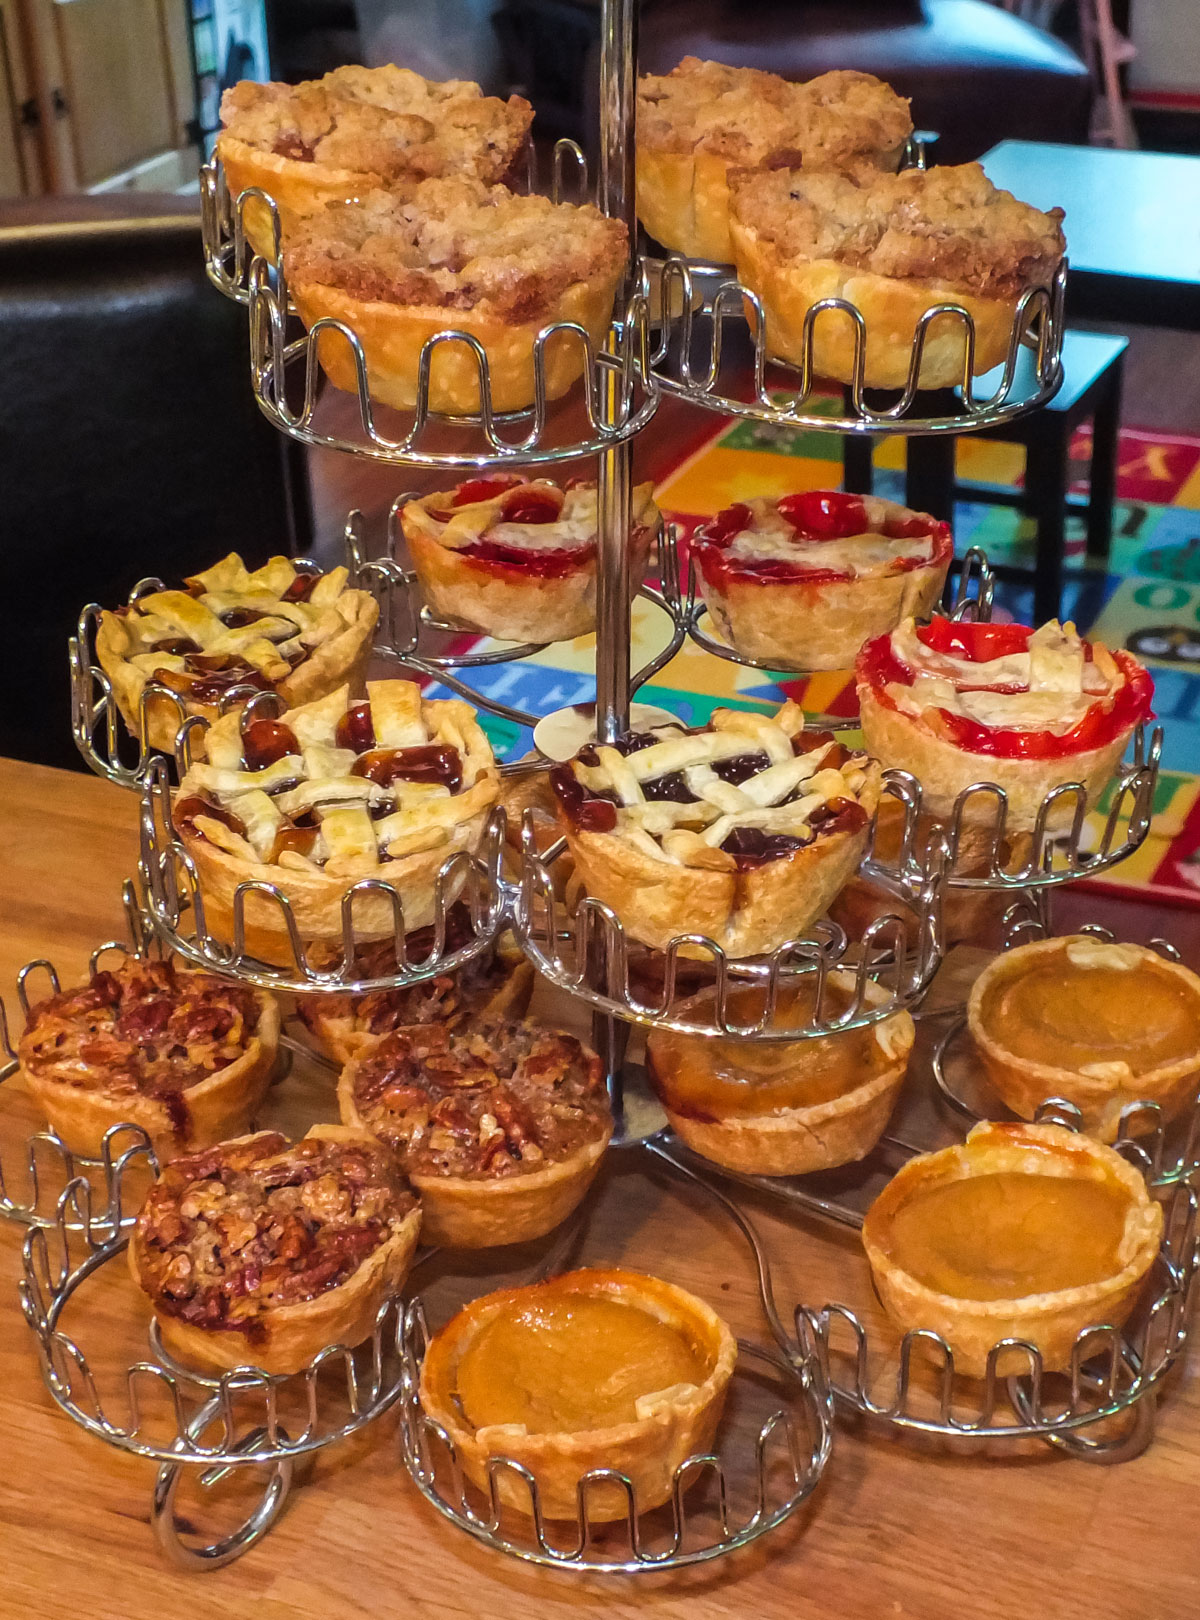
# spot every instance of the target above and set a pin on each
(20, 159)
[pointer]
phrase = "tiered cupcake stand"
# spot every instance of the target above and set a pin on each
(675, 326)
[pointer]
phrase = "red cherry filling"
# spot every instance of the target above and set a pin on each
(301, 587)
(185, 811)
(588, 812)
(217, 675)
(299, 840)
(435, 763)
(550, 562)
(265, 741)
(532, 506)
(484, 489)
(824, 514)
(355, 729)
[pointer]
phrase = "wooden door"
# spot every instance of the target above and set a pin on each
(116, 82)
(20, 168)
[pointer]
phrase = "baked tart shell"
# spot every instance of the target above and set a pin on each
(1052, 1320)
(648, 1449)
(1023, 1084)
(297, 187)
(290, 1336)
(218, 1107)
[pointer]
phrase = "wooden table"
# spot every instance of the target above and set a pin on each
(890, 1532)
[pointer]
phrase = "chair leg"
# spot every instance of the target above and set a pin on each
(858, 470)
(1102, 483)
(1046, 500)
(929, 479)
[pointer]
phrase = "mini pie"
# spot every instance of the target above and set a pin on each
(806, 579)
(186, 1056)
(775, 1108)
(591, 1369)
(1101, 1025)
(1022, 1231)
(497, 984)
(516, 559)
(703, 119)
(892, 245)
(330, 139)
(259, 1252)
(501, 1126)
(399, 267)
(300, 633)
(742, 830)
(329, 793)
(1029, 710)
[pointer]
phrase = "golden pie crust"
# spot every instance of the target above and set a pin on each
(1051, 1320)
(382, 265)
(283, 1338)
(893, 246)
(703, 119)
(339, 657)
(669, 1424)
(1099, 1087)
(852, 1080)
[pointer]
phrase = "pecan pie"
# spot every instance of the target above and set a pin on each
(742, 830)
(328, 793)
(703, 119)
(588, 1370)
(516, 559)
(184, 1055)
(501, 1127)
(1029, 710)
(260, 1252)
(806, 579)
(1022, 1231)
(399, 267)
(357, 129)
(278, 628)
(893, 245)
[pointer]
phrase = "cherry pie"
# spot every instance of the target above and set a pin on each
(957, 704)
(517, 559)
(278, 628)
(806, 579)
(742, 830)
(184, 1055)
(329, 793)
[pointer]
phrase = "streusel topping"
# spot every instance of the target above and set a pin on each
(457, 243)
(949, 225)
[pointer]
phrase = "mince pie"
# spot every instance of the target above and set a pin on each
(330, 139)
(262, 1253)
(588, 1370)
(1029, 710)
(742, 830)
(804, 580)
(703, 119)
(278, 628)
(516, 559)
(186, 1056)
(500, 1126)
(893, 246)
(1022, 1231)
(399, 267)
(326, 794)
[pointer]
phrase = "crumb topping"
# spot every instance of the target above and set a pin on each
(457, 244)
(848, 121)
(949, 225)
(385, 121)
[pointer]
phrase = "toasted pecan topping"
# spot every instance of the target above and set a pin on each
(948, 225)
(456, 244)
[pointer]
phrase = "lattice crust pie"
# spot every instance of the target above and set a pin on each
(697, 122)
(743, 830)
(357, 129)
(589, 1370)
(1100, 1024)
(782, 1108)
(497, 984)
(808, 578)
(184, 1055)
(260, 1252)
(1022, 1231)
(893, 246)
(1029, 710)
(331, 792)
(500, 1126)
(398, 267)
(278, 628)
(516, 559)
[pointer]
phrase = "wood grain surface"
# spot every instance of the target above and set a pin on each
(893, 1530)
